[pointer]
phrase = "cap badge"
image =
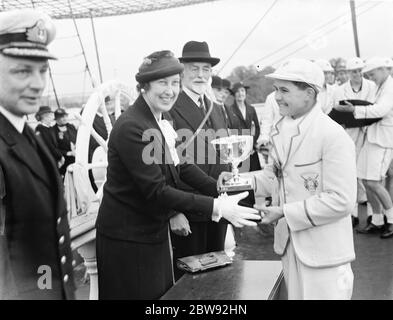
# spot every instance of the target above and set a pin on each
(37, 33)
(147, 61)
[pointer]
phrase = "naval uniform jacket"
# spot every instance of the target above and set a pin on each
(315, 182)
(141, 190)
(187, 117)
(35, 227)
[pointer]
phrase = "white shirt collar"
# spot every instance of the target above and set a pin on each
(194, 97)
(17, 122)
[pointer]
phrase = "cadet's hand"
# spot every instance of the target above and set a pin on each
(179, 225)
(348, 107)
(235, 214)
(270, 214)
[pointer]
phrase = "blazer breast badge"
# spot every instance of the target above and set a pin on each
(311, 182)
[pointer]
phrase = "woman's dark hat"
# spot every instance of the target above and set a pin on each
(158, 65)
(59, 113)
(41, 111)
(237, 86)
(226, 84)
(217, 82)
(194, 51)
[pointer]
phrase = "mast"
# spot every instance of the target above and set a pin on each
(354, 27)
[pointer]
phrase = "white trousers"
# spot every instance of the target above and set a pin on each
(305, 283)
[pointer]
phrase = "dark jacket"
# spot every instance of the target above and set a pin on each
(187, 115)
(49, 138)
(36, 230)
(64, 139)
(140, 192)
(63, 143)
(236, 120)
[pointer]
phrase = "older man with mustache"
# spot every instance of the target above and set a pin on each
(189, 112)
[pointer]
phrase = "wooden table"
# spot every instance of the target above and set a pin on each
(242, 280)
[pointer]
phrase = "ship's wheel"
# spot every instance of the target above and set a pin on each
(94, 105)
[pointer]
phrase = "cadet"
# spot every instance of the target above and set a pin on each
(313, 184)
(35, 254)
(362, 89)
(376, 153)
(325, 96)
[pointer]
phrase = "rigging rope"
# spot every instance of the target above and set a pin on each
(247, 36)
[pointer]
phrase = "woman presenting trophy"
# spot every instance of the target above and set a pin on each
(141, 196)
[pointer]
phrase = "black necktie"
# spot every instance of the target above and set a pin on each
(202, 105)
(28, 133)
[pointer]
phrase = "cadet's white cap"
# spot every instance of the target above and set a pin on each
(324, 65)
(26, 33)
(377, 62)
(300, 70)
(355, 63)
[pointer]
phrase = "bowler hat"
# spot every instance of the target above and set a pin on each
(217, 82)
(194, 51)
(41, 111)
(59, 113)
(158, 65)
(25, 33)
(237, 86)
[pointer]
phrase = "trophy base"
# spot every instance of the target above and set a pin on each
(235, 188)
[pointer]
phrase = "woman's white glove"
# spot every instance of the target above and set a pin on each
(227, 207)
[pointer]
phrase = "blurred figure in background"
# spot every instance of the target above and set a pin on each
(226, 92)
(45, 117)
(220, 94)
(243, 119)
(341, 73)
(325, 96)
(361, 89)
(65, 134)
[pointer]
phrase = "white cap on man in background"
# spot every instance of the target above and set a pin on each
(377, 62)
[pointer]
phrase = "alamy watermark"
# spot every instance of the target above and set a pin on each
(200, 151)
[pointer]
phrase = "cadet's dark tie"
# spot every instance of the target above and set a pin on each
(28, 133)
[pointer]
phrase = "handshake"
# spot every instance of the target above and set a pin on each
(260, 213)
(227, 207)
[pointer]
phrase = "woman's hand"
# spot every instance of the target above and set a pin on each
(239, 216)
(179, 225)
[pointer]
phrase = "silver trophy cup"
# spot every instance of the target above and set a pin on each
(235, 149)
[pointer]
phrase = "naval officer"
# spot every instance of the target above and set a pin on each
(35, 254)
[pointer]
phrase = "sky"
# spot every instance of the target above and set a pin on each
(282, 29)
